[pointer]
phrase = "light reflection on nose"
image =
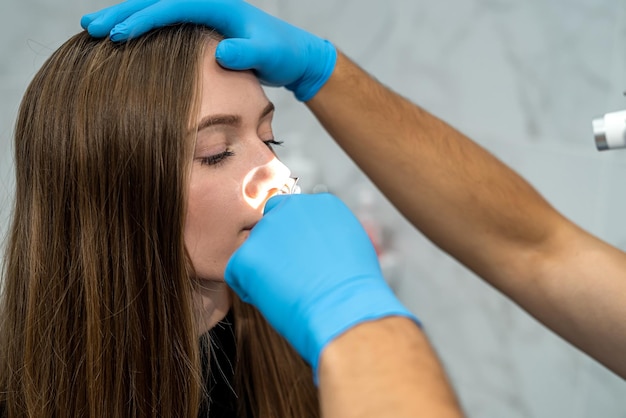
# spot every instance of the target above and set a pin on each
(265, 181)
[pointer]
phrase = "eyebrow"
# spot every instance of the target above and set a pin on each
(229, 120)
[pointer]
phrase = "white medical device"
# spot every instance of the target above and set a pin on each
(610, 130)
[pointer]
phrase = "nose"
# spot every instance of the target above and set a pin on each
(265, 181)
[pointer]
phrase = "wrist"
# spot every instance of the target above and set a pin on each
(361, 300)
(384, 368)
(374, 337)
(366, 361)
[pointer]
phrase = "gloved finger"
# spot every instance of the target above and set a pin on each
(232, 280)
(215, 14)
(100, 23)
(239, 257)
(273, 202)
(251, 54)
(238, 54)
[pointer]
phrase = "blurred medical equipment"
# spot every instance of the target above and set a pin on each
(610, 130)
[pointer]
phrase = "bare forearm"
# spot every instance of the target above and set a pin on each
(481, 212)
(384, 368)
(445, 184)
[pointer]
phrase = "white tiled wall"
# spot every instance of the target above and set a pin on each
(524, 79)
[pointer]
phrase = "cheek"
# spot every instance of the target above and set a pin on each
(212, 224)
(206, 209)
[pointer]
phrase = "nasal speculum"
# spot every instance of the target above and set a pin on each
(290, 186)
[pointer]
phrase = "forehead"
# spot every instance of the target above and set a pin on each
(227, 91)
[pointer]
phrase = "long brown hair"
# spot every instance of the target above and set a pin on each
(97, 316)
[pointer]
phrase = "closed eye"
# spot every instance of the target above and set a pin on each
(272, 142)
(216, 159)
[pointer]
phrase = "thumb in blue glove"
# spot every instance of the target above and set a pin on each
(279, 53)
(311, 270)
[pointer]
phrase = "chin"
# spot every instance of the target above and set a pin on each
(210, 282)
(206, 324)
(212, 306)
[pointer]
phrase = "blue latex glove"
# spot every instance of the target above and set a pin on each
(311, 270)
(281, 54)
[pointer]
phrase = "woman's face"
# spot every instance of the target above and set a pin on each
(234, 172)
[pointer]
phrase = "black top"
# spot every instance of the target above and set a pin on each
(222, 401)
(219, 382)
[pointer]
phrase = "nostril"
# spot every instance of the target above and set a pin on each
(268, 180)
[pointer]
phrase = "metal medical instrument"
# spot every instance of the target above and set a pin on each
(291, 186)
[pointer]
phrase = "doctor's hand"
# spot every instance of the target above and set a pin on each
(311, 270)
(279, 53)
